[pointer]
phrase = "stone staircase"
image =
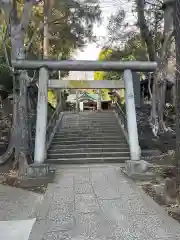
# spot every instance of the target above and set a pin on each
(88, 137)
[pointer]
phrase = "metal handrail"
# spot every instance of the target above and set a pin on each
(53, 124)
(123, 121)
(122, 116)
(120, 109)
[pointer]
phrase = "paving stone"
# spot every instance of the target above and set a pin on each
(93, 226)
(17, 204)
(85, 187)
(82, 178)
(43, 208)
(62, 194)
(64, 211)
(64, 180)
(57, 236)
(86, 203)
(90, 225)
(129, 204)
(157, 227)
(44, 227)
(108, 191)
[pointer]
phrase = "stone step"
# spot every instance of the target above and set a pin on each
(90, 141)
(91, 118)
(89, 145)
(88, 160)
(73, 129)
(91, 114)
(97, 117)
(88, 134)
(88, 137)
(87, 155)
(103, 117)
(86, 149)
(107, 121)
(90, 122)
(87, 126)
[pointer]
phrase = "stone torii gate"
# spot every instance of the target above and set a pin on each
(75, 65)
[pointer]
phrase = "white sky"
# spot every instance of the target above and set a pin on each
(91, 51)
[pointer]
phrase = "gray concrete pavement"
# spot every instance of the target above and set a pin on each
(16, 209)
(99, 202)
(17, 204)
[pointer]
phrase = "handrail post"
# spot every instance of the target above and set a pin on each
(77, 101)
(41, 118)
(61, 99)
(99, 100)
(131, 116)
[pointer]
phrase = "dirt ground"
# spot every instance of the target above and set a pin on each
(164, 142)
(160, 152)
(155, 188)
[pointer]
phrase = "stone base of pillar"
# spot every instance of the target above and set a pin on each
(139, 170)
(32, 177)
(138, 166)
(36, 174)
(38, 170)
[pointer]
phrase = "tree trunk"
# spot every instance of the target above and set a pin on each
(159, 83)
(177, 40)
(46, 32)
(18, 28)
(148, 39)
(21, 144)
(163, 63)
(144, 30)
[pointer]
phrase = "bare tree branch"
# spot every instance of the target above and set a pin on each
(41, 26)
(159, 5)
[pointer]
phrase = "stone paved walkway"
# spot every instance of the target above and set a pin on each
(16, 209)
(99, 202)
(18, 204)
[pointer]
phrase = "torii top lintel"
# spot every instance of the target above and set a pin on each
(79, 65)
